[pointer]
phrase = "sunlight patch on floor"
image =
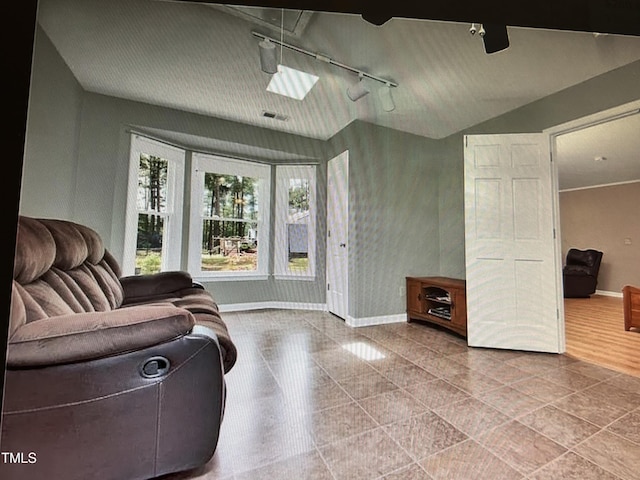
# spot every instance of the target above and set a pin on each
(364, 351)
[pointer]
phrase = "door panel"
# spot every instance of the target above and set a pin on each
(526, 215)
(510, 247)
(338, 235)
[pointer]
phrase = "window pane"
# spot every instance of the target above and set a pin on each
(149, 243)
(230, 196)
(229, 229)
(152, 183)
(229, 246)
(298, 195)
(298, 225)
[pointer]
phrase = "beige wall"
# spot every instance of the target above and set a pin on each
(603, 218)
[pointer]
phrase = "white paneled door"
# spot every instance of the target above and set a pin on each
(338, 235)
(513, 291)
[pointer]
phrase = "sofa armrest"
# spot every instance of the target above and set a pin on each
(154, 285)
(86, 336)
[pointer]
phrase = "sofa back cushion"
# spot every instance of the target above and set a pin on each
(589, 259)
(60, 268)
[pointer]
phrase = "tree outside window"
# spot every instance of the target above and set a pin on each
(151, 203)
(230, 223)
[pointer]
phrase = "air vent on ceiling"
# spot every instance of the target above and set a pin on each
(275, 116)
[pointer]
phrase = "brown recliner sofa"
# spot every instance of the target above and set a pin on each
(107, 377)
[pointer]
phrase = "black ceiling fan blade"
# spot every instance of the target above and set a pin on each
(495, 38)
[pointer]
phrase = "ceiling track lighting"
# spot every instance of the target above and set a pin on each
(268, 56)
(386, 99)
(358, 90)
(323, 58)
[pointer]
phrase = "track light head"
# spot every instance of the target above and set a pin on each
(358, 90)
(268, 57)
(388, 105)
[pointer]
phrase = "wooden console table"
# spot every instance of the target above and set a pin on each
(439, 300)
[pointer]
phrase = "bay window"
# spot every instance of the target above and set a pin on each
(229, 223)
(228, 215)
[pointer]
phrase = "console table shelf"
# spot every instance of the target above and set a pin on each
(439, 300)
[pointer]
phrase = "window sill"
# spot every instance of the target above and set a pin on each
(230, 278)
(304, 278)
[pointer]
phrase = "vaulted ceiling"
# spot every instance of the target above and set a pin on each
(204, 59)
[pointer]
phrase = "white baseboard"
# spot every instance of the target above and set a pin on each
(609, 294)
(350, 321)
(238, 307)
(378, 320)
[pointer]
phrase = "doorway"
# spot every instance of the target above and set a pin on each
(590, 160)
(491, 196)
(593, 193)
(338, 235)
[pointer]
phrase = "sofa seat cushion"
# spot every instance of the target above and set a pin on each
(143, 288)
(227, 347)
(86, 336)
(201, 305)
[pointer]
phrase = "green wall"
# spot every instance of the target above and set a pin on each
(394, 214)
(605, 91)
(104, 154)
(612, 89)
(55, 101)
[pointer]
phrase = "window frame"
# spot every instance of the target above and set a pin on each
(284, 173)
(172, 226)
(210, 163)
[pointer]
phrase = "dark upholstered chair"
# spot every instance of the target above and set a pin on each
(107, 377)
(580, 273)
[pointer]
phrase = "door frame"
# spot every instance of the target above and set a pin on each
(603, 116)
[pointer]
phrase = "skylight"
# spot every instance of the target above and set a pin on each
(291, 82)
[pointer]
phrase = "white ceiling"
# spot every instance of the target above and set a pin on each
(199, 58)
(601, 154)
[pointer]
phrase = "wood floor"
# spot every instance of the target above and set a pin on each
(595, 333)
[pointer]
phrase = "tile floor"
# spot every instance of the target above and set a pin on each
(312, 398)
